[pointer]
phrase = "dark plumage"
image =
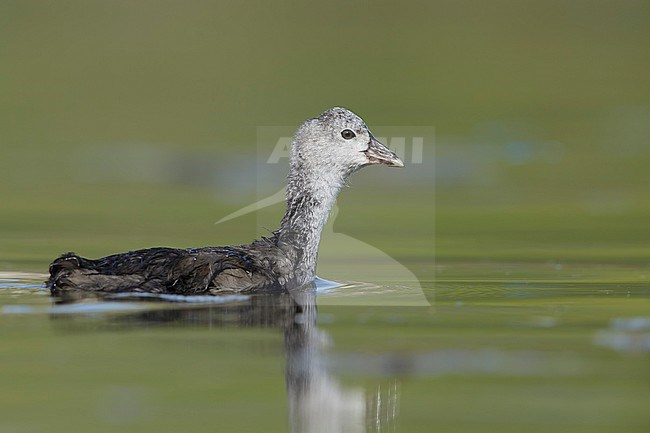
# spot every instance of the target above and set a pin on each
(325, 152)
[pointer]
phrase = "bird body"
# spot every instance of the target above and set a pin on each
(326, 150)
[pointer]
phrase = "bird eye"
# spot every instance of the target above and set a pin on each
(348, 134)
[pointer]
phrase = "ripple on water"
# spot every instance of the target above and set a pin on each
(381, 293)
(191, 299)
(22, 285)
(17, 281)
(445, 362)
(625, 334)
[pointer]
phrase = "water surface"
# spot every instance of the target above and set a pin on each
(498, 354)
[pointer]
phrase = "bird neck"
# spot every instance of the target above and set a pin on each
(309, 202)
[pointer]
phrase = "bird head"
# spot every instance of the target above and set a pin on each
(339, 142)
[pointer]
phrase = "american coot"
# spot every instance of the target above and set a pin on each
(326, 150)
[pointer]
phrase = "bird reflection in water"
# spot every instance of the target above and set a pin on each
(317, 401)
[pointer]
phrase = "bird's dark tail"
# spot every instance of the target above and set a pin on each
(71, 272)
(62, 269)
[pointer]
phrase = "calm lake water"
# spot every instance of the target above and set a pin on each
(127, 126)
(566, 349)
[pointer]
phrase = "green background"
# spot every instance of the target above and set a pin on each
(541, 112)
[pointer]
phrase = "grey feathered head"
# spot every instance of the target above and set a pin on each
(338, 141)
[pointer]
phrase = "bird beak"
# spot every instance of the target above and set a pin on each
(378, 153)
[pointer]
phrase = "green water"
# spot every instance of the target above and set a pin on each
(566, 350)
(501, 282)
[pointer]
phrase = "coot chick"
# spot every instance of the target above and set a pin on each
(325, 151)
